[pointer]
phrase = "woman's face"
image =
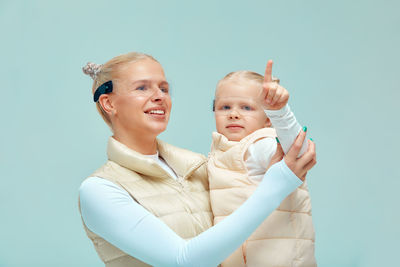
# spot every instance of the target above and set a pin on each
(141, 99)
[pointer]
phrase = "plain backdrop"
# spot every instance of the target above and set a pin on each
(338, 59)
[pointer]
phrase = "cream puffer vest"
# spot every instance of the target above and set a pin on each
(183, 204)
(286, 237)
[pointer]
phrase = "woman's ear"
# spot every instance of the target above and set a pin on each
(268, 123)
(105, 101)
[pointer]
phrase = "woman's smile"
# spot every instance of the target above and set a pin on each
(156, 113)
(144, 102)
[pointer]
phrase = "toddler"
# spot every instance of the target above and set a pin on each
(246, 105)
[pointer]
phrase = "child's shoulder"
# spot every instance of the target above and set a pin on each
(261, 134)
(263, 144)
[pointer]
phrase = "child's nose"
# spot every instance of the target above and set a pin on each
(234, 114)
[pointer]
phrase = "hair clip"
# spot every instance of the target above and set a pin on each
(105, 88)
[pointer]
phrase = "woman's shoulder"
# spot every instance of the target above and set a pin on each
(96, 184)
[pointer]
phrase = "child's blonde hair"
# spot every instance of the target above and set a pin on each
(109, 71)
(240, 74)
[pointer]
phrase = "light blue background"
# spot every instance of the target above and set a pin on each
(338, 59)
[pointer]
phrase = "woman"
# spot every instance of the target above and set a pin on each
(149, 204)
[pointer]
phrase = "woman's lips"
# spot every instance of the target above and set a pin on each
(158, 113)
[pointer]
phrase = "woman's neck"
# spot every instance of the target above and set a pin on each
(146, 145)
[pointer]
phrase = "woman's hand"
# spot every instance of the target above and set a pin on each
(278, 156)
(274, 96)
(300, 166)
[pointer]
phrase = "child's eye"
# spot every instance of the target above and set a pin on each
(246, 107)
(225, 107)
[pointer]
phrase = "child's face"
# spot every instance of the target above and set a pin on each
(238, 109)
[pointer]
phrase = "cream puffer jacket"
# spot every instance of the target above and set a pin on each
(286, 237)
(182, 204)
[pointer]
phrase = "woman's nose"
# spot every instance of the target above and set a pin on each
(158, 95)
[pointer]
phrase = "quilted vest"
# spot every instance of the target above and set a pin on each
(182, 204)
(286, 237)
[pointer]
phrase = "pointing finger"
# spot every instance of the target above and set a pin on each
(268, 72)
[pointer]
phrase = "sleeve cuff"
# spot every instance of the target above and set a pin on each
(289, 175)
(277, 113)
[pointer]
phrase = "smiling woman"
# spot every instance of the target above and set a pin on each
(139, 104)
(149, 203)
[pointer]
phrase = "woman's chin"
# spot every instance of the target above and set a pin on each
(157, 128)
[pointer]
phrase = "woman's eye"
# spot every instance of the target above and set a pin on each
(141, 88)
(164, 90)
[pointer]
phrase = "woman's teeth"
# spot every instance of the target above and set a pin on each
(161, 112)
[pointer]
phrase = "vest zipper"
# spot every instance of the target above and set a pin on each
(181, 182)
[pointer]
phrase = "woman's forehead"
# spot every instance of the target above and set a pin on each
(146, 69)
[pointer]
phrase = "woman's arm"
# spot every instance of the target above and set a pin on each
(111, 213)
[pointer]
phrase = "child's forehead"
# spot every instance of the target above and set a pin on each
(237, 100)
(240, 88)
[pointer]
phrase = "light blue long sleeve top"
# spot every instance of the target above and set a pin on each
(111, 213)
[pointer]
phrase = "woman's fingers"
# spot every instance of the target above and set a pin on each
(308, 160)
(296, 146)
(310, 165)
(279, 152)
(300, 166)
(278, 156)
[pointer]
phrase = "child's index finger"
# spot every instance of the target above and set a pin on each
(268, 72)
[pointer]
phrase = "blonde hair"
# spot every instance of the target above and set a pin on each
(108, 72)
(241, 74)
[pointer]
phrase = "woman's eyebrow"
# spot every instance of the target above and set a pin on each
(164, 83)
(149, 81)
(140, 81)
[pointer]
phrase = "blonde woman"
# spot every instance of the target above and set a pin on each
(149, 203)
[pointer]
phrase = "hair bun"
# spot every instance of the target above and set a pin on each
(92, 69)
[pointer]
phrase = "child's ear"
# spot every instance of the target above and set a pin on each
(268, 123)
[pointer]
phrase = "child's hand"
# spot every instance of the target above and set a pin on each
(275, 96)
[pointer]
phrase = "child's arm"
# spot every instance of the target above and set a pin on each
(275, 98)
(287, 128)
(258, 157)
